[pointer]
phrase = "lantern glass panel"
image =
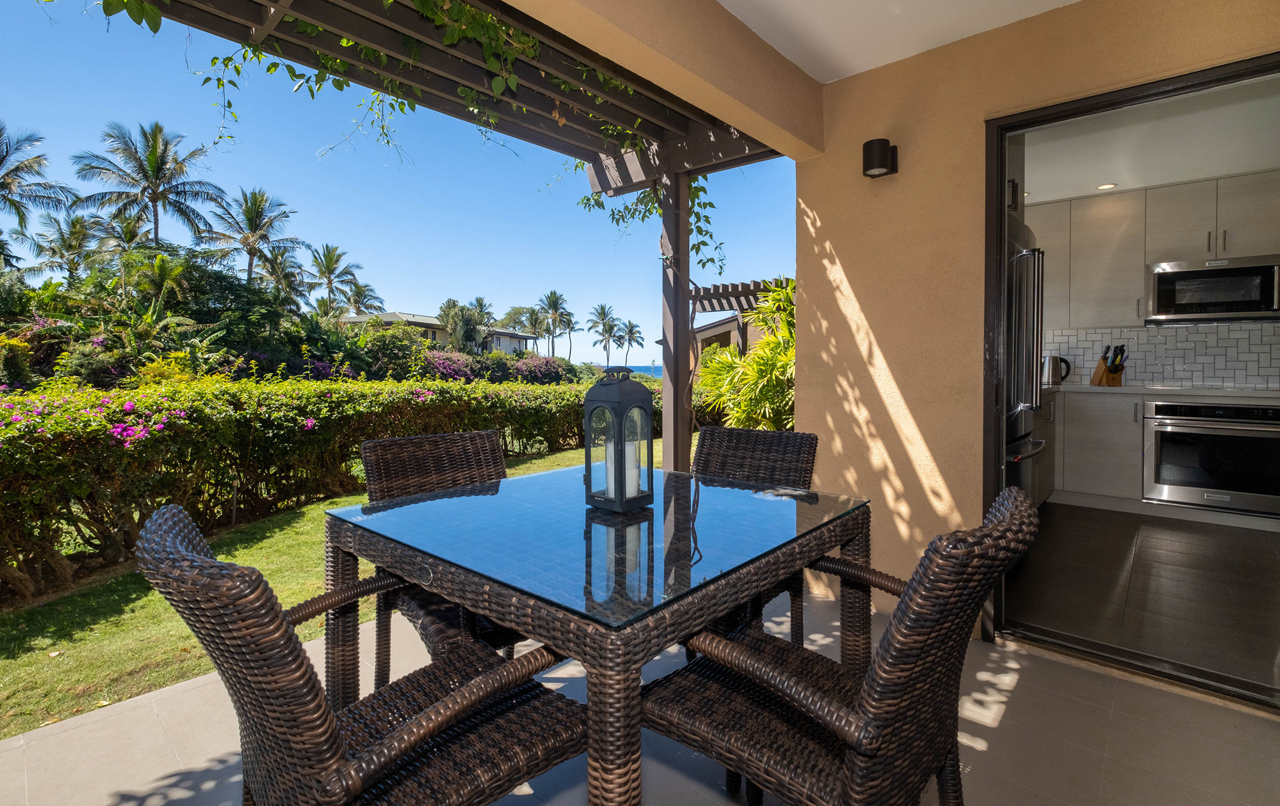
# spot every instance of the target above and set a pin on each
(637, 452)
(600, 439)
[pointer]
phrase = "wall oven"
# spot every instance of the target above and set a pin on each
(1217, 456)
(1213, 290)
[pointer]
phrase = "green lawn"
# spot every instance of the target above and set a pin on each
(119, 639)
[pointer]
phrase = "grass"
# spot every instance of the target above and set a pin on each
(119, 639)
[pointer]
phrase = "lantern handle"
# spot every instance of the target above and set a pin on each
(614, 375)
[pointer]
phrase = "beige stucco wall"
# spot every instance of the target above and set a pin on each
(698, 51)
(890, 271)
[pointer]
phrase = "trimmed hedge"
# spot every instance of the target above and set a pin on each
(84, 468)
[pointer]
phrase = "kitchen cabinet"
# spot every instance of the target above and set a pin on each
(1043, 426)
(1051, 224)
(1249, 215)
(1102, 444)
(1108, 253)
(1182, 222)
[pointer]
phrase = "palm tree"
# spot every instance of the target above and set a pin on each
(326, 309)
(63, 244)
(286, 277)
(569, 325)
(604, 324)
(630, 333)
(8, 258)
(115, 235)
(331, 272)
(22, 184)
(552, 305)
(608, 333)
(251, 224)
(148, 175)
(535, 323)
(160, 276)
(484, 317)
(362, 299)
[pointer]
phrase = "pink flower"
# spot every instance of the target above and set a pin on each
(309, 423)
(8, 405)
(129, 406)
(15, 419)
(106, 401)
(159, 426)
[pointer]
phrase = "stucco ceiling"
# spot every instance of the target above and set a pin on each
(831, 39)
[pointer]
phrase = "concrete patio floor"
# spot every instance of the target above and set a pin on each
(1035, 728)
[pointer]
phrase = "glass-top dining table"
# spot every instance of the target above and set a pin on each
(610, 590)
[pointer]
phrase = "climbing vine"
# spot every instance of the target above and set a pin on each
(502, 46)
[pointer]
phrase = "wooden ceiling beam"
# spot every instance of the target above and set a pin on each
(444, 88)
(186, 12)
(554, 59)
(273, 17)
(406, 21)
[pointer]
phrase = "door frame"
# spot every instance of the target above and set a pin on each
(997, 129)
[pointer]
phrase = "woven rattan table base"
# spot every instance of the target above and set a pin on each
(612, 657)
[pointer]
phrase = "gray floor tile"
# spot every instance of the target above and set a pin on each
(1186, 757)
(12, 742)
(89, 764)
(982, 788)
(200, 723)
(1127, 785)
(13, 776)
(1245, 730)
(1037, 760)
(142, 702)
(217, 783)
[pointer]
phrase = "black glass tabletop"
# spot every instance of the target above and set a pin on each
(535, 533)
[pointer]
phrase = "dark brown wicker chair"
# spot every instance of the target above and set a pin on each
(775, 458)
(812, 731)
(406, 466)
(466, 729)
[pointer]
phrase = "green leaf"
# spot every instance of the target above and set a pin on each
(152, 16)
(112, 7)
(207, 79)
(498, 84)
(493, 64)
(134, 7)
(271, 68)
(511, 82)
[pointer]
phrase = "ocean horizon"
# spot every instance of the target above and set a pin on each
(655, 370)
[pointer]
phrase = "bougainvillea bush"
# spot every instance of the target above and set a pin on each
(81, 469)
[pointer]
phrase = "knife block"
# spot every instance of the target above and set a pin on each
(1101, 377)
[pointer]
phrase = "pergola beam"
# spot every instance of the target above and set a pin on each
(677, 342)
(706, 150)
(180, 11)
(439, 92)
(274, 15)
(406, 20)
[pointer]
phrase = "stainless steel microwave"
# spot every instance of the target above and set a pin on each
(1213, 290)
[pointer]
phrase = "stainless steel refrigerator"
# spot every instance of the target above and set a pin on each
(1023, 333)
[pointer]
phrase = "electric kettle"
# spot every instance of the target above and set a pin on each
(1054, 370)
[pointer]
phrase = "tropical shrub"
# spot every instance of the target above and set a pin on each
(84, 468)
(446, 366)
(541, 369)
(392, 351)
(15, 362)
(757, 390)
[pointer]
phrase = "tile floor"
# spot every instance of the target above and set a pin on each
(1036, 729)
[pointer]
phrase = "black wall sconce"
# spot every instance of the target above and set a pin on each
(879, 158)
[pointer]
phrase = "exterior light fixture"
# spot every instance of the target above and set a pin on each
(618, 425)
(879, 158)
(1107, 186)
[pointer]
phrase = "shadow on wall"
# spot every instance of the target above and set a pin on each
(875, 410)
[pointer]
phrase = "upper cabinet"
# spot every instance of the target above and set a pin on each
(1108, 251)
(1182, 221)
(1249, 215)
(1051, 224)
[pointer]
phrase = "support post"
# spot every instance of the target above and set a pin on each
(677, 397)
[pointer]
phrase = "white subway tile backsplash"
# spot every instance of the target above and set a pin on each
(1239, 355)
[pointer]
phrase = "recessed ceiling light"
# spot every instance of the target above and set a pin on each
(1107, 186)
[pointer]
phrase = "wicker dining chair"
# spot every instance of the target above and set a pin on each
(775, 458)
(814, 732)
(466, 729)
(405, 466)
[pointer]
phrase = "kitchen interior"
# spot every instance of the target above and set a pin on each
(1142, 378)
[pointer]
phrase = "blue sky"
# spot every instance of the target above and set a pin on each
(456, 217)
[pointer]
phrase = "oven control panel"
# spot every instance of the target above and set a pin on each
(1188, 411)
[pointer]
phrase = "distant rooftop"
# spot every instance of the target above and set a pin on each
(420, 320)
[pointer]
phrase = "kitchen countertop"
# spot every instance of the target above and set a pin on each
(1170, 391)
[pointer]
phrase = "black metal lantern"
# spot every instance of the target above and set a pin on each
(618, 428)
